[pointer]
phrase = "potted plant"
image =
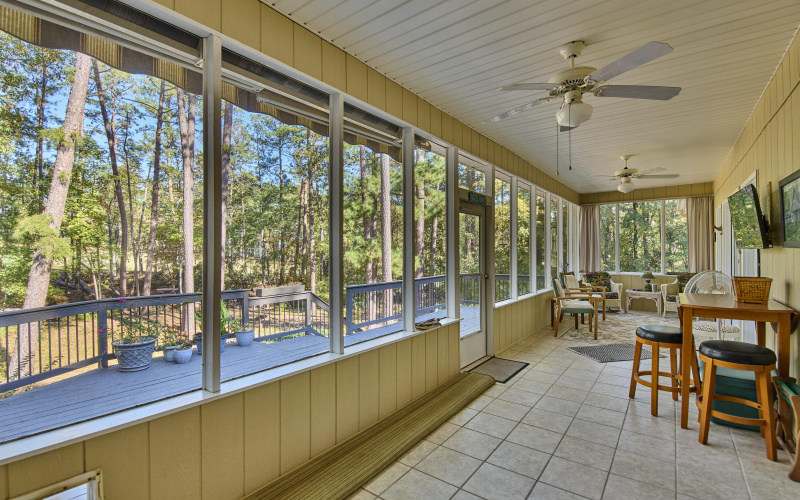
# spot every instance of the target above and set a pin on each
(134, 348)
(224, 322)
(183, 351)
(170, 338)
(242, 331)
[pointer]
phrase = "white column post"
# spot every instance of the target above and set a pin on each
(453, 274)
(212, 213)
(336, 239)
(409, 284)
(513, 220)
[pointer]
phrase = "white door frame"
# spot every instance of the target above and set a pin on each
(474, 346)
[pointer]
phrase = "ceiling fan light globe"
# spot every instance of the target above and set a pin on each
(573, 114)
(626, 187)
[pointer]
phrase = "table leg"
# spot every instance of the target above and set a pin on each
(784, 332)
(761, 333)
(686, 356)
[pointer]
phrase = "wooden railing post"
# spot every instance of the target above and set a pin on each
(308, 311)
(245, 308)
(102, 335)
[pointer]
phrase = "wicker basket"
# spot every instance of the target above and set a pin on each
(751, 290)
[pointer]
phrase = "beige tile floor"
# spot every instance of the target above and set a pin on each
(565, 428)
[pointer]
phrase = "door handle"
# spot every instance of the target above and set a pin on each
(486, 276)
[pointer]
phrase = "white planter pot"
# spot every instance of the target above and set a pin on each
(245, 338)
(169, 353)
(183, 355)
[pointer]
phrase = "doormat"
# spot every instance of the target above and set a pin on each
(500, 368)
(608, 353)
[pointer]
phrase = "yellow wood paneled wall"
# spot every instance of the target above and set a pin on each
(228, 447)
(281, 38)
(770, 144)
(520, 319)
(649, 193)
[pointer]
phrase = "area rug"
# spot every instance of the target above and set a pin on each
(620, 328)
(608, 353)
(341, 470)
(500, 368)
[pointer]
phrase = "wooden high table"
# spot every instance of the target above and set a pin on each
(705, 305)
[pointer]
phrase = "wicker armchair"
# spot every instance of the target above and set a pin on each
(670, 291)
(602, 282)
(575, 303)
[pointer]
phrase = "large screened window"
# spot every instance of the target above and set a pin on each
(554, 249)
(471, 178)
(429, 234)
(373, 258)
(608, 237)
(676, 237)
(502, 238)
(644, 236)
(541, 235)
(523, 240)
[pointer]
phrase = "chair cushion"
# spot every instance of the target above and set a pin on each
(672, 298)
(683, 279)
(576, 306)
(612, 295)
(738, 352)
(710, 326)
(661, 334)
(598, 279)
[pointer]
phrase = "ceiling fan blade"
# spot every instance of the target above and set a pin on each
(562, 128)
(663, 176)
(642, 55)
(512, 112)
(528, 86)
(650, 171)
(639, 92)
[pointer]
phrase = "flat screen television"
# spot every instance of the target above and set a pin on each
(749, 226)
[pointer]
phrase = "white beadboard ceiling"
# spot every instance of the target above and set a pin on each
(456, 53)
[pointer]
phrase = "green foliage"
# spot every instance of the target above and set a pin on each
(37, 231)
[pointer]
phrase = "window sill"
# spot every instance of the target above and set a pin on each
(57, 438)
(508, 302)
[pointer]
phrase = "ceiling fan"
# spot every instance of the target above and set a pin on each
(570, 84)
(627, 174)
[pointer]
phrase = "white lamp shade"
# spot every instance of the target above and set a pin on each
(573, 114)
(626, 187)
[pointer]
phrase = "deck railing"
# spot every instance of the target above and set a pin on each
(40, 343)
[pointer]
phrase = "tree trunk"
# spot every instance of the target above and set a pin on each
(41, 98)
(186, 127)
(419, 226)
(151, 241)
(299, 233)
(312, 266)
(386, 233)
(280, 213)
(21, 363)
(111, 136)
(227, 127)
(369, 268)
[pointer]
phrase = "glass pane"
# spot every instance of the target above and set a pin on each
(676, 237)
(554, 237)
(471, 178)
(275, 206)
(608, 237)
(471, 272)
(429, 235)
(373, 244)
(565, 260)
(502, 240)
(540, 240)
(523, 241)
(640, 236)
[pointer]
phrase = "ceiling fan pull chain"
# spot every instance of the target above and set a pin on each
(569, 136)
(556, 147)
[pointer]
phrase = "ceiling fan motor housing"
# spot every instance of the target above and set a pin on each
(571, 76)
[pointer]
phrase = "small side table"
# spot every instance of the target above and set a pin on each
(641, 294)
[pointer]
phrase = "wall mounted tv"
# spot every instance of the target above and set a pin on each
(750, 229)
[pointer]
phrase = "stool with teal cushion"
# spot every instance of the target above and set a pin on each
(716, 354)
(574, 303)
(788, 428)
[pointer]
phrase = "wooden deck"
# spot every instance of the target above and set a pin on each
(102, 392)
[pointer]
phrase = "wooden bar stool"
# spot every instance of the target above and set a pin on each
(658, 336)
(738, 356)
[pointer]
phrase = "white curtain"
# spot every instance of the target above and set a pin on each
(700, 222)
(589, 238)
